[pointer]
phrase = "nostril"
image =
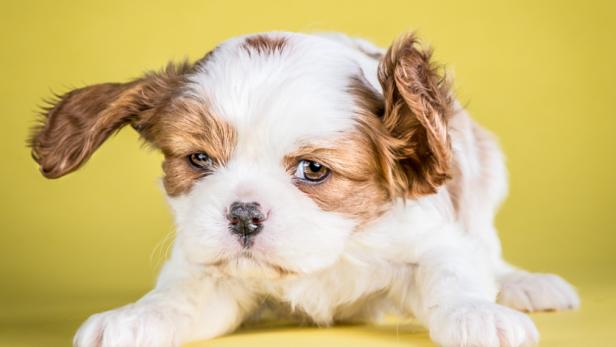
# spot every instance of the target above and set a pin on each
(245, 214)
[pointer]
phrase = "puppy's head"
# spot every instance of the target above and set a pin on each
(276, 146)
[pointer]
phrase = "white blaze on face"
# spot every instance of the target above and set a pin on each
(276, 101)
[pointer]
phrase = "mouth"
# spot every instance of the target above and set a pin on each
(247, 257)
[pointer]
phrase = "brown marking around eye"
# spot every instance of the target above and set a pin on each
(183, 127)
(354, 188)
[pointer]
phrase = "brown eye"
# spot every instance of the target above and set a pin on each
(311, 172)
(200, 160)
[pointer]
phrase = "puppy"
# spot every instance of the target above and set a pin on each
(316, 175)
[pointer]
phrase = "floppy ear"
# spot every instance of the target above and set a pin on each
(74, 126)
(418, 104)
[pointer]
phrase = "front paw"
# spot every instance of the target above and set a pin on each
(532, 292)
(135, 325)
(482, 324)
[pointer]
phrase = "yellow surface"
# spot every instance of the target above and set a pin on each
(540, 74)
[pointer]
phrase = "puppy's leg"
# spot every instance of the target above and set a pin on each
(177, 311)
(454, 296)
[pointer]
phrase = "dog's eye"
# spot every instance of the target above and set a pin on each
(200, 160)
(311, 171)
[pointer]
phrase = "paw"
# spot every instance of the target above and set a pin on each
(133, 325)
(537, 292)
(482, 324)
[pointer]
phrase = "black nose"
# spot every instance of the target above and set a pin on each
(246, 220)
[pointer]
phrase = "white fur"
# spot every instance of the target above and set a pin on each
(420, 258)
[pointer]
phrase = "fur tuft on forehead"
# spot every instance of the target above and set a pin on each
(264, 44)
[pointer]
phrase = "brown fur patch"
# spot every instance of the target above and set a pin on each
(418, 104)
(81, 120)
(263, 44)
(185, 126)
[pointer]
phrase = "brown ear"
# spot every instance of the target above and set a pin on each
(417, 105)
(72, 128)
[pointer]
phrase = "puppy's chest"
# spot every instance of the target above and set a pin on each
(346, 291)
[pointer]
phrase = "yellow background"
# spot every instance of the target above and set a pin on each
(540, 74)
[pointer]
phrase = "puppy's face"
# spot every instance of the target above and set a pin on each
(276, 146)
